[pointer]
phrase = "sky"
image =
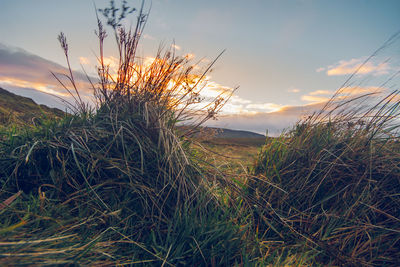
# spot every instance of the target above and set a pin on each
(287, 57)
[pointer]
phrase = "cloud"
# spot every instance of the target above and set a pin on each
(294, 90)
(236, 103)
(21, 69)
(314, 99)
(348, 92)
(176, 47)
(112, 63)
(317, 96)
(321, 92)
(41, 87)
(266, 107)
(148, 37)
(260, 122)
(362, 90)
(346, 67)
(84, 60)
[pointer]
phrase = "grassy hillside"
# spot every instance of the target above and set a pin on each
(21, 110)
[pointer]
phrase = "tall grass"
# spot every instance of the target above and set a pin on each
(116, 183)
(332, 183)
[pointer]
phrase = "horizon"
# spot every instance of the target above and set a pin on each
(289, 58)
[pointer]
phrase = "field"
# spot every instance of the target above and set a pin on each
(232, 154)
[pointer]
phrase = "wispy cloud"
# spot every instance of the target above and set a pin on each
(346, 67)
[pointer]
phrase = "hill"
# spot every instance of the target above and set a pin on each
(19, 109)
(229, 133)
(222, 136)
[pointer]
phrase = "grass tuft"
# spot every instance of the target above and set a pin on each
(332, 182)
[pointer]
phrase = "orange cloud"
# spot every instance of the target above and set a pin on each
(344, 67)
(317, 96)
(84, 60)
(360, 90)
(321, 92)
(343, 93)
(42, 87)
(111, 62)
(314, 99)
(22, 70)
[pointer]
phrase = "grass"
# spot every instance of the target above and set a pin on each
(116, 183)
(333, 183)
(123, 183)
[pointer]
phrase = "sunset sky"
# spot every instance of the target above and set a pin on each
(288, 57)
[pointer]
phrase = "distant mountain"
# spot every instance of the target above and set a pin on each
(19, 109)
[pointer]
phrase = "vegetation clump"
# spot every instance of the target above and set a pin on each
(333, 183)
(115, 183)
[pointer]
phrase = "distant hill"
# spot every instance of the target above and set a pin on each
(224, 136)
(19, 109)
(229, 133)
